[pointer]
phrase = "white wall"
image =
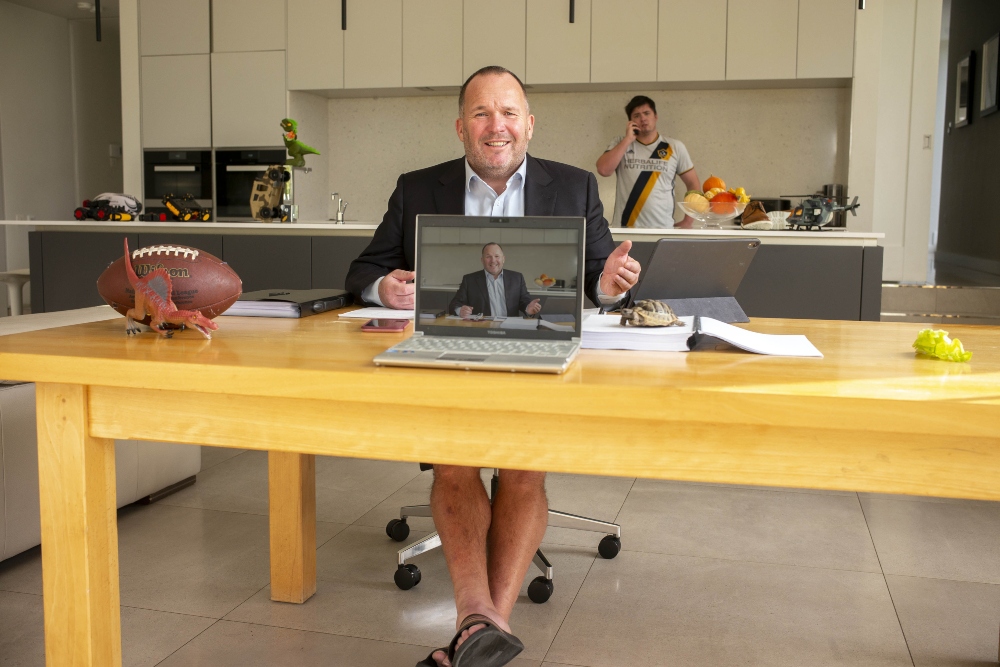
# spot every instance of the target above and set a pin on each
(97, 107)
(772, 142)
(312, 189)
(896, 57)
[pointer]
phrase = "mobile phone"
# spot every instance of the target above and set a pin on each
(385, 325)
(635, 130)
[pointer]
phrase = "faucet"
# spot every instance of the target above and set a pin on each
(341, 204)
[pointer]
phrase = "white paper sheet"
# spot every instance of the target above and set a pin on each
(751, 341)
(375, 313)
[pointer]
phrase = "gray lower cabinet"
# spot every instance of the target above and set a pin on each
(800, 281)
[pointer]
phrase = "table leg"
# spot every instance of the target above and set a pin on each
(292, 496)
(76, 480)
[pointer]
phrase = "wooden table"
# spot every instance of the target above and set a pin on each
(871, 416)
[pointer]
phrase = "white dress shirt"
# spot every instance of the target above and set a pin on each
(481, 199)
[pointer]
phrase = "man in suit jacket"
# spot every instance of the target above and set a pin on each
(479, 291)
(489, 548)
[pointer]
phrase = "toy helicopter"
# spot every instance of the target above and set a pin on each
(816, 211)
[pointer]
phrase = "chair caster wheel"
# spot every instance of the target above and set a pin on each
(609, 547)
(397, 529)
(407, 576)
(540, 590)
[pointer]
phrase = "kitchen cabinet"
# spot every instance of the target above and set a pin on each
(623, 41)
(691, 44)
(557, 51)
(248, 25)
(432, 43)
(826, 39)
(174, 27)
(248, 99)
(762, 39)
(176, 103)
(373, 44)
(315, 45)
(493, 35)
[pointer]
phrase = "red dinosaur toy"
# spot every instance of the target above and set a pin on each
(153, 297)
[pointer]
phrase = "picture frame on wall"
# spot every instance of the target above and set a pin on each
(964, 73)
(990, 80)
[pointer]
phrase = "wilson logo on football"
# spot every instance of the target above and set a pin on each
(143, 269)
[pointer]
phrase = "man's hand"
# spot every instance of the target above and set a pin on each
(396, 290)
(686, 223)
(621, 272)
(464, 312)
(631, 132)
(534, 307)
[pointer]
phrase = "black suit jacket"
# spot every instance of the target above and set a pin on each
(474, 292)
(550, 188)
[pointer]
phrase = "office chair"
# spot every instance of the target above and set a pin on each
(540, 589)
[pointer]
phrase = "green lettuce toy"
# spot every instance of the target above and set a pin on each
(935, 343)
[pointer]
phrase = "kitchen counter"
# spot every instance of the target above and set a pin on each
(832, 274)
(839, 236)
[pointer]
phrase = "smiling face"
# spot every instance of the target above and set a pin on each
(645, 118)
(495, 126)
(493, 259)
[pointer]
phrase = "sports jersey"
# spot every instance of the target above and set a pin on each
(645, 193)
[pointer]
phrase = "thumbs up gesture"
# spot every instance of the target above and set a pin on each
(621, 272)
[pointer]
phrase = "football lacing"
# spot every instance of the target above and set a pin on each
(188, 253)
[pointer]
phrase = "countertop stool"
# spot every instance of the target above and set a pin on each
(15, 279)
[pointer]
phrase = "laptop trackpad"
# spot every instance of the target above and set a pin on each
(463, 356)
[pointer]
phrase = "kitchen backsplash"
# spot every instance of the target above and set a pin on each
(781, 141)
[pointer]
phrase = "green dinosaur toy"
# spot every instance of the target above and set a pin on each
(296, 149)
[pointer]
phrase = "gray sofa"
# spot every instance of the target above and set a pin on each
(145, 470)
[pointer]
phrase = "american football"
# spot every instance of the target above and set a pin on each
(200, 281)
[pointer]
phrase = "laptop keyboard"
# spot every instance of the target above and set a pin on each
(486, 346)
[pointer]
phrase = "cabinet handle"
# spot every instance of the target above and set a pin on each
(572, 11)
(343, 14)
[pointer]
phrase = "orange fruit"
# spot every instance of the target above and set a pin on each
(713, 182)
(724, 203)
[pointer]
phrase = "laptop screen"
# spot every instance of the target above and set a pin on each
(518, 277)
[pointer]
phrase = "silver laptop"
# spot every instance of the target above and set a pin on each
(547, 252)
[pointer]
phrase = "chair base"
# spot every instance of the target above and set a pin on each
(541, 588)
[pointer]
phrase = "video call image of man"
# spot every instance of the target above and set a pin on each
(494, 291)
(488, 546)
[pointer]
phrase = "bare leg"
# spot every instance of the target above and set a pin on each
(520, 515)
(461, 512)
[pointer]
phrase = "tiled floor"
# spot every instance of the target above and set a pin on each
(708, 575)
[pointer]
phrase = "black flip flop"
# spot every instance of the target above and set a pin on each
(489, 647)
(429, 661)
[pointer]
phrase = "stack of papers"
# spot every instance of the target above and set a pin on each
(378, 313)
(604, 332)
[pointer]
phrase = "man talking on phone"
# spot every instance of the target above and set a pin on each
(488, 548)
(645, 164)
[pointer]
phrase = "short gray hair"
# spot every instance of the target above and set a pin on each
(495, 70)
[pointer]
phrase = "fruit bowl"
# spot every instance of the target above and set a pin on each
(716, 214)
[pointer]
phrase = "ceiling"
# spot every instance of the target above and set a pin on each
(67, 9)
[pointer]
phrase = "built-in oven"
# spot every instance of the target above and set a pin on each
(235, 171)
(177, 173)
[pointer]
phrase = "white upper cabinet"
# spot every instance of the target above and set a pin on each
(623, 40)
(373, 44)
(248, 25)
(171, 119)
(826, 39)
(248, 99)
(762, 39)
(494, 35)
(315, 45)
(557, 51)
(692, 40)
(432, 43)
(173, 27)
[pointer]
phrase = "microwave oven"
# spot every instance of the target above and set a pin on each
(176, 173)
(235, 171)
